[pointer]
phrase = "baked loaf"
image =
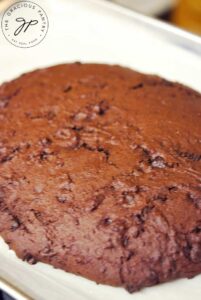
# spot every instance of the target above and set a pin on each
(100, 173)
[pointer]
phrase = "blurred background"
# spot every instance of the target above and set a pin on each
(183, 13)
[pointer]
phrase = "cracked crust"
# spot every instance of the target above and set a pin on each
(100, 173)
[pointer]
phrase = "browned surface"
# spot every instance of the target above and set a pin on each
(100, 173)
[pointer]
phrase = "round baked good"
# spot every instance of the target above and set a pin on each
(100, 173)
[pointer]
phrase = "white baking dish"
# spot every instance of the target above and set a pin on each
(98, 31)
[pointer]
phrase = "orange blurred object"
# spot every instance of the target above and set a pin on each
(187, 14)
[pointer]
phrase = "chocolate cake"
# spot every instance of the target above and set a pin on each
(100, 173)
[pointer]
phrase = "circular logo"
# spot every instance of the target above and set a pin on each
(24, 24)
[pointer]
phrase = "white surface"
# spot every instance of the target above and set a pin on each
(88, 30)
(43, 282)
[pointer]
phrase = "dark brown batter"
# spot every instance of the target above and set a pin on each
(100, 173)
